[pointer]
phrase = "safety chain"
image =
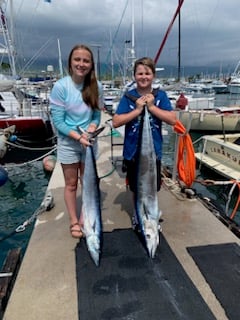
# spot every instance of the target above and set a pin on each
(46, 205)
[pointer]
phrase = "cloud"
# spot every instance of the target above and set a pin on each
(209, 29)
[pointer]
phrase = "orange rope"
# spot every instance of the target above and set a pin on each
(186, 161)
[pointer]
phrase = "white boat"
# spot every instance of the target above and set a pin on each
(111, 97)
(221, 153)
(199, 87)
(33, 128)
(218, 119)
(234, 84)
(219, 86)
(26, 131)
(195, 101)
(199, 113)
(6, 84)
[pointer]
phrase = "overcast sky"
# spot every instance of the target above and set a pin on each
(209, 29)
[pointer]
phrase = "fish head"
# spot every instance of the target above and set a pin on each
(94, 247)
(151, 236)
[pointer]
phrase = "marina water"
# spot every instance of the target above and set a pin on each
(20, 197)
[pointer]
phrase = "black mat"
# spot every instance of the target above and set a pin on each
(130, 285)
(220, 265)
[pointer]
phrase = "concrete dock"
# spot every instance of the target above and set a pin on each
(46, 287)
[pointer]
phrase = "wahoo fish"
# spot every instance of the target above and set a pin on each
(91, 204)
(146, 199)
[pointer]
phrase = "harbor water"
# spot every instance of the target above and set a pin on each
(24, 191)
(20, 197)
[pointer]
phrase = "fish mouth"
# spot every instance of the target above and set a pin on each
(151, 232)
(152, 245)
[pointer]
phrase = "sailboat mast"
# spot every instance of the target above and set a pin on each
(133, 38)
(179, 42)
(111, 56)
(60, 59)
(8, 36)
(11, 42)
(168, 30)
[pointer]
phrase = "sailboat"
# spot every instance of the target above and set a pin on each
(23, 126)
(112, 94)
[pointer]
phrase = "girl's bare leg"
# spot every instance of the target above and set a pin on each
(70, 172)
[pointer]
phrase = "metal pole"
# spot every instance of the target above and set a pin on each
(98, 63)
(97, 66)
(179, 42)
(60, 59)
(133, 40)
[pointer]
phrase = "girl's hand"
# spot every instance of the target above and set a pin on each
(92, 128)
(84, 140)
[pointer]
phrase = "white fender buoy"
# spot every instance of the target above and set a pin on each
(49, 163)
(3, 145)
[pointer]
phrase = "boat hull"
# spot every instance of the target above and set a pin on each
(27, 127)
(32, 138)
(210, 121)
(234, 88)
(222, 154)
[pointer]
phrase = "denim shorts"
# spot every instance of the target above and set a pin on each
(71, 151)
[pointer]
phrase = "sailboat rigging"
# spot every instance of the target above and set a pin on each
(168, 31)
(24, 121)
(8, 38)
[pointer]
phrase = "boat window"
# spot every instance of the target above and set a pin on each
(237, 141)
(2, 109)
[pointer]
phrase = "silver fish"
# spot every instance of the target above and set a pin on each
(146, 199)
(91, 206)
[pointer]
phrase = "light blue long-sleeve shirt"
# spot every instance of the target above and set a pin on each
(68, 110)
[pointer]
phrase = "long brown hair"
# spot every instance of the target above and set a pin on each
(90, 87)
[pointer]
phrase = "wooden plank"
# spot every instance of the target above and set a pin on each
(8, 276)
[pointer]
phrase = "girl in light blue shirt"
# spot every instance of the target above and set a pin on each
(75, 101)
